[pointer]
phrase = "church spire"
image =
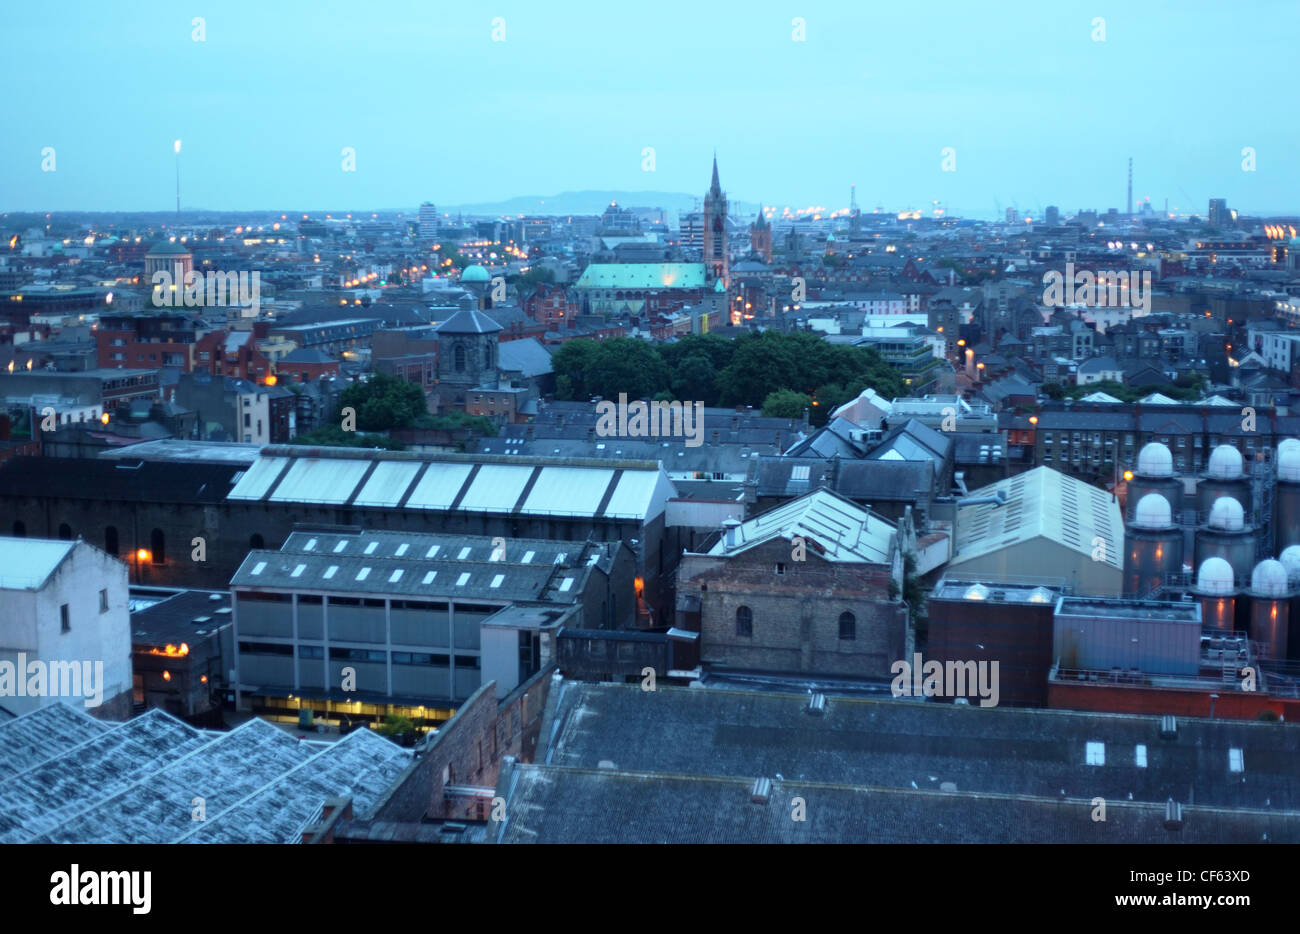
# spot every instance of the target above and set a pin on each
(715, 189)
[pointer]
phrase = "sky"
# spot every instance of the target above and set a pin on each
(1034, 109)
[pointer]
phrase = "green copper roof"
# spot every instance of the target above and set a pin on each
(642, 276)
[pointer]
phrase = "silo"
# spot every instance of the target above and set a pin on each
(1290, 558)
(1269, 607)
(1217, 591)
(1226, 535)
(1223, 477)
(1153, 546)
(1155, 474)
(1286, 528)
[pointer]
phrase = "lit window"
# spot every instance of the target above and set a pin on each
(1236, 763)
(1140, 756)
(1096, 754)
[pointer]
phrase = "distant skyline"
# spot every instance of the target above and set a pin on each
(1037, 111)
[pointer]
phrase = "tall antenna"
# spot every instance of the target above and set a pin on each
(176, 146)
(1130, 186)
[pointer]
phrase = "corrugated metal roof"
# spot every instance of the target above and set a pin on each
(320, 480)
(639, 493)
(837, 529)
(387, 484)
(26, 563)
(258, 478)
(642, 276)
(497, 487)
(568, 491)
(438, 487)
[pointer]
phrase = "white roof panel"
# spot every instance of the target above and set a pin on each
(635, 495)
(258, 478)
(387, 484)
(320, 480)
(26, 563)
(438, 487)
(497, 487)
(568, 491)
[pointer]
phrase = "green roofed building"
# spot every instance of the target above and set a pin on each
(619, 288)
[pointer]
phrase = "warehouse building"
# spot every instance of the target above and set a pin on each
(349, 627)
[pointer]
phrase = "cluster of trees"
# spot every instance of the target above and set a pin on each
(386, 403)
(1184, 389)
(782, 373)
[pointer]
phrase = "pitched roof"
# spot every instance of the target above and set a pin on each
(27, 563)
(642, 276)
(842, 530)
(469, 322)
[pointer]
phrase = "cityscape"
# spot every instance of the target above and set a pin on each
(636, 497)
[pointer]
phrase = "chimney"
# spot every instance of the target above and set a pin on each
(731, 532)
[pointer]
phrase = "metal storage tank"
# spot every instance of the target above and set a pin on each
(1223, 477)
(1226, 535)
(1269, 607)
(1290, 558)
(1154, 474)
(1153, 546)
(1286, 496)
(1217, 591)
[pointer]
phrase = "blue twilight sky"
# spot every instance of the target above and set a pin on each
(1037, 111)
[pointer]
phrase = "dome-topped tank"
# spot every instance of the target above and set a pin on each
(1226, 514)
(475, 273)
(1215, 577)
(1286, 496)
(1288, 462)
(1290, 558)
(1225, 463)
(1153, 512)
(1269, 578)
(1154, 460)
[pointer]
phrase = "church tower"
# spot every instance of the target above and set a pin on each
(760, 236)
(717, 258)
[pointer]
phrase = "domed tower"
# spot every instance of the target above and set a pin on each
(478, 281)
(1269, 607)
(1226, 535)
(174, 259)
(467, 355)
(717, 257)
(1223, 477)
(1155, 474)
(1286, 496)
(1217, 591)
(1153, 547)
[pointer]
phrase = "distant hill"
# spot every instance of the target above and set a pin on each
(589, 202)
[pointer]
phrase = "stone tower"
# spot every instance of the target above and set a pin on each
(467, 356)
(760, 236)
(717, 259)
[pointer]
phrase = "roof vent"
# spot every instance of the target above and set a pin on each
(948, 786)
(606, 764)
(761, 791)
(452, 827)
(1173, 815)
(1168, 726)
(817, 705)
(202, 619)
(216, 597)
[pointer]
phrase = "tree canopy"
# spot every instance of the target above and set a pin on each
(383, 403)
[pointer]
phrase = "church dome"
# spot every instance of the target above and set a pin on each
(475, 273)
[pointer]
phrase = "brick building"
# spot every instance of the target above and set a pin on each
(805, 587)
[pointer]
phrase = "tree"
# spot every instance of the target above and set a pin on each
(571, 364)
(383, 403)
(692, 380)
(626, 365)
(786, 403)
(335, 436)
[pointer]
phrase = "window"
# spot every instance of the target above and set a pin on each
(158, 544)
(110, 540)
(255, 541)
(1096, 754)
(103, 601)
(1236, 763)
(848, 626)
(64, 621)
(780, 568)
(65, 532)
(1140, 756)
(744, 622)
(459, 357)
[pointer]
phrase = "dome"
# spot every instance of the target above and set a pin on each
(1269, 579)
(1215, 577)
(1227, 514)
(977, 592)
(1290, 558)
(1225, 463)
(1153, 512)
(168, 248)
(1154, 460)
(1288, 462)
(475, 273)
(1287, 444)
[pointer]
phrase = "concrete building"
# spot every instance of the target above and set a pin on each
(352, 625)
(64, 619)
